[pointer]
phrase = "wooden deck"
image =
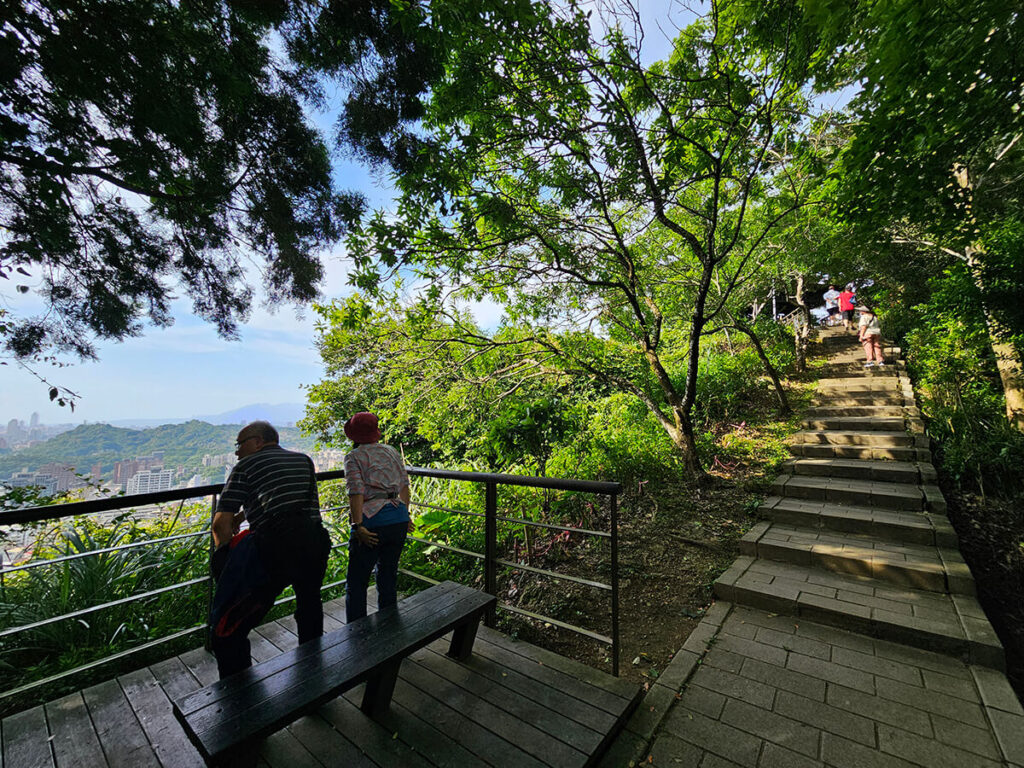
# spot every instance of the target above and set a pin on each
(511, 704)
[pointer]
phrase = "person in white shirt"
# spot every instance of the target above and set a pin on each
(832, 305)
(869, 331)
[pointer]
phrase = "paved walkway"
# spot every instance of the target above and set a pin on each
(847, 634)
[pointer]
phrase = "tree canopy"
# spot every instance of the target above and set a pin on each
(609, 207)
(149, 146)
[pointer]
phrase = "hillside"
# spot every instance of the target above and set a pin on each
(89, 444)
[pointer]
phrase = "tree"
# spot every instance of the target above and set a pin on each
(147, 145)
(936, 159)
(598, 200)
(447, 392)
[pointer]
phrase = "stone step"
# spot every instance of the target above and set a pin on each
(856, 423)
(852, 366)
(872, 452)
(917, 566)
(917, 472)
(951, 624)
(926, 528)
(860, 399)
(859, 384)
(880, 438)
(832, 411)
(852, 491)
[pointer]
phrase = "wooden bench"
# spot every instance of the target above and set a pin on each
(224, 718)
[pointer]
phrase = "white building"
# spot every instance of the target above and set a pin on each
(219, 460)
(332, 458)
(150, 481)
(46, 482)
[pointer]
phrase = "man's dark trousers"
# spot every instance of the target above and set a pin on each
(295, 555)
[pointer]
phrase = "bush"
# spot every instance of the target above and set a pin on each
(951, 359)
(727, 383)
(100, 577)
(620, 441)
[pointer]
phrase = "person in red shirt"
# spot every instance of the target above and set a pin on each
(847, 302)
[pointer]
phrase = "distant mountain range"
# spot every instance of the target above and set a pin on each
(183, 445)
(278, 415)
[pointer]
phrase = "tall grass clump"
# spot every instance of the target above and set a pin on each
(74, 569)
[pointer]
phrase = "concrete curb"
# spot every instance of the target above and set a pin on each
(632, 746)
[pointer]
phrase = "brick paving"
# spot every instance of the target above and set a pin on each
(847, 634)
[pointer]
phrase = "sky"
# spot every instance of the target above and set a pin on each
(187, 370)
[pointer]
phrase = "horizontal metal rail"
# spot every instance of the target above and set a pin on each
(523, 612)
(103, 606)
(561, 624)
(553, 527)
(127, 653)
(518, 520)
(448, 509)
(57, 511)
(448, 547)
(553, 574)
(105, 550)
(490, 481)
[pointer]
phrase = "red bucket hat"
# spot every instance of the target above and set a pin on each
(362, 428)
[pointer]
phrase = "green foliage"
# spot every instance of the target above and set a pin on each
(950, 356)
(725, 385)
(595, 199)
(93, 577)
(620, 441)
(18, 497)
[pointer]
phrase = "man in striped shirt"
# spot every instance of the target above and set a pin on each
(275, 490)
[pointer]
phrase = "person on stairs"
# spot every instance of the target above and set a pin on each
(831, 298)
(869, 331)
(847, 305)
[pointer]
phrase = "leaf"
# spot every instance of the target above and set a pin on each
(53, 394)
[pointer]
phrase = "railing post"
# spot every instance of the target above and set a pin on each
(490, 545)
(615, 583)
(208, 634)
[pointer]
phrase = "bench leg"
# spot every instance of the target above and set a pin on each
(379, 688)
(463, 638)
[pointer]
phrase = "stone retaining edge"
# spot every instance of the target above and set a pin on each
(632, 746)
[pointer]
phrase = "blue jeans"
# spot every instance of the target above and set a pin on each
(361, 561)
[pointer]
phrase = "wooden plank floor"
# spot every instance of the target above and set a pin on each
(510, 704)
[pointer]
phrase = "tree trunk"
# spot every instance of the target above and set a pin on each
(802, 330)
(684, 440)
(1008, 363)
(773, 374)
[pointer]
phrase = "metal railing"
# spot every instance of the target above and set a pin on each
(491, 562)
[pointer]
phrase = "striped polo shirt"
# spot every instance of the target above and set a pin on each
(272, 484)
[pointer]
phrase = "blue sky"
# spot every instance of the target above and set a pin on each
(186, 370)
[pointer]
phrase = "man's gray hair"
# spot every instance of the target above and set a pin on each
(264, 430)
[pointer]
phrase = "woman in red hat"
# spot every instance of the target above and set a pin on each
(378, 492)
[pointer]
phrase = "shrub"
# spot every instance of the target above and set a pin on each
(951, 359)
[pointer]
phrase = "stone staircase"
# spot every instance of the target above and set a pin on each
(855, 533)
(847, 634)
